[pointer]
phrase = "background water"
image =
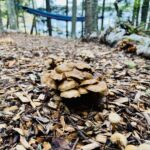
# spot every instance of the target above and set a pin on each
(59, 27)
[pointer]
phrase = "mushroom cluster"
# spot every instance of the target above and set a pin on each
(73, 79)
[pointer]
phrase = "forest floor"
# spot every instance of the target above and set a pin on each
(23, 126)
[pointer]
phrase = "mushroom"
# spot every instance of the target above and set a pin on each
(75, 74)
(144, 146)
(82, 90)
(87, 75)
(89, 82)
(114, 119)
(72, 80)
(67, 85)
(82, 66)
(56, 76)
(119, 139)
(70, 94)
(63, 68)
(131, 147)
(48, 81)
(48, 62)
(101, 87)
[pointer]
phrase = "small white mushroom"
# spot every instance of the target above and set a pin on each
(114, 119)
(144, 147)
(131, 147)
(119, 139)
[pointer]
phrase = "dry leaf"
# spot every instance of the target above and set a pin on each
(24, 142)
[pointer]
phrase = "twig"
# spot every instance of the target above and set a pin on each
(78, 130)
(147, 117)
(74, 146)
(106, 53)
(26, 94)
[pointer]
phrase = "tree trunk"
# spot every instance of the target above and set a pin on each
(90, 16)
(144, 14)
(95, 15)
(74, 18)
(66, 15)
(49, 24)
(103, 11)
(136, 9)
(12, 14)
(83, 4)
(1, 22)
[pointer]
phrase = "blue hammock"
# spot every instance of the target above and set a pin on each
(51, 15)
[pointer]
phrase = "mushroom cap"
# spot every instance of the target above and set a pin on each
(48, 81)
(74, 74)
(56, 76)
(70, 94)
(63, 68)
(82, 65)
(118, 138)
(101, 87)
(82, 90)
(131, 147)
(89, 82)
(114, 118)
(87, 75)
(48, 62)
(144, 147)
(67, 85)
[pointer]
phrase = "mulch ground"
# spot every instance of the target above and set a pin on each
(27, 121)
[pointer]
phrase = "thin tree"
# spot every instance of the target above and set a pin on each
(103, 11)
(144, 13)
(12, 18)
(83, 8)
(74, 18)
(136, 10)
(49, 24)
(90, 16)
(34, 21)
(95, 14)
(66, 15)
(1, 22)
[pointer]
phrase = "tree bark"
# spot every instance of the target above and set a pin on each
(83, 8)
(12, 14)
(49, 24)
(1, 22)
(67, 21)
(90, 16)
(95, 15)
(74, 18)
(144, 13)
(103, 11)
(136, 10)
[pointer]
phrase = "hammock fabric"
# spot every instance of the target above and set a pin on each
(51, 15)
